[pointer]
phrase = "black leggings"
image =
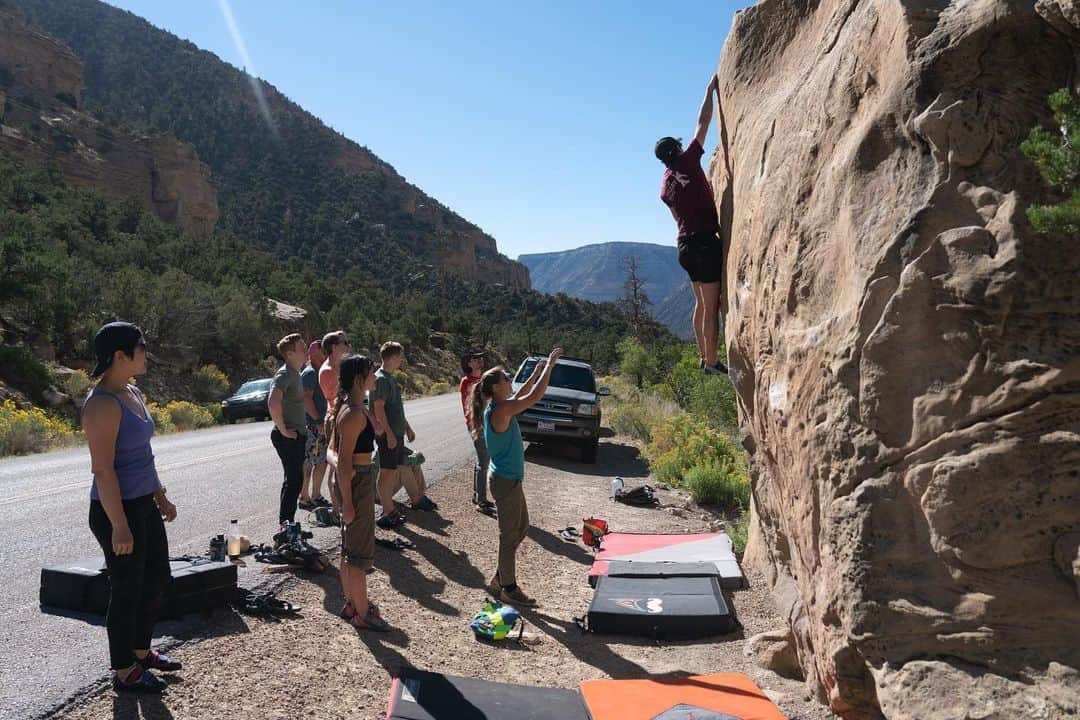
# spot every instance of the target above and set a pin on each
(138, 580)
(291, 453)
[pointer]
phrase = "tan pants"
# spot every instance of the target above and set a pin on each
(513, 525)
(411, 477)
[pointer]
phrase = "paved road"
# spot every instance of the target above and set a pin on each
(213, 476)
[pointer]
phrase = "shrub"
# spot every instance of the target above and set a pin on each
(1056, 154)
(32, 430)
(23, 370)
(215, 411)
(77, 384)
(718, 483)
(162, 419)
(209, 383)
(684, 442)
(631, 420)
(440, 388)
(188, 416)
(738, 530)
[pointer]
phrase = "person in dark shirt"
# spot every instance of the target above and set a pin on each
(689, 197)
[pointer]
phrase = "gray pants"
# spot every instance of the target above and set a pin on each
(480, 471)
(513, 525)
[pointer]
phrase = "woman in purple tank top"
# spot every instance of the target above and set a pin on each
(127, 506)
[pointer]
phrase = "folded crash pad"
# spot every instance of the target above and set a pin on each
(727, 696)
(670, 607)
(713, 548)
(420, 695)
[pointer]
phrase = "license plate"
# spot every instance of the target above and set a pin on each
(545, 426)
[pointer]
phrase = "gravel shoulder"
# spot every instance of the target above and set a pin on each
(317, 666)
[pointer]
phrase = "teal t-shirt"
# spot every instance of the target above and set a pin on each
(506, 450)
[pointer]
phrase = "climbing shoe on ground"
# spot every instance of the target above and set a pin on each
(321, 502)
(425, 503)
(306, 504)
(160, 661)
(139, 681)
(514, 596)
(718, 369)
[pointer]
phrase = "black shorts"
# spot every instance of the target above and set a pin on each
(702, 257)
(390, 459)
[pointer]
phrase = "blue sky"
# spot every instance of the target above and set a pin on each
(534, 121)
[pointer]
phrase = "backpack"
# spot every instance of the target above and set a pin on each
(641, 496)
(495, 621)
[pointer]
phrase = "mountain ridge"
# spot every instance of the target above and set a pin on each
(594, 272)
(298, 188)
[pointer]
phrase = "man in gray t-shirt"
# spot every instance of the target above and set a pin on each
(390, 412)
(286, 406)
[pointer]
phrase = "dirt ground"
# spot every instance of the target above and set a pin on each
(317, 666)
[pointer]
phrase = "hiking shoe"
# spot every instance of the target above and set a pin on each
(516, 598)
(493, 588)
(426, 504)
(347, 611)
(306, 504)
(718, 369)
(139, 681)
(160, 661)
(390, 520)
(486, 507)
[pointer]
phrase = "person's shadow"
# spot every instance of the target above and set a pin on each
(557, 546)
(140, 707)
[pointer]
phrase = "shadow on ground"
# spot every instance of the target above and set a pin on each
(611, 459)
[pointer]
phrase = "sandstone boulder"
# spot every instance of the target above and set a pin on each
(775, 650)
(905, 350)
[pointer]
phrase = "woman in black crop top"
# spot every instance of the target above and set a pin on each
(351, 425)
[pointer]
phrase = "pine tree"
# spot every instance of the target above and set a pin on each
(1057, 157)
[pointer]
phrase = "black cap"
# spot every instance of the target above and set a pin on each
(666, 147)
(112, 337)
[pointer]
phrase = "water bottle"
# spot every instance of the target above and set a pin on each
(616, 487)
(233, 543)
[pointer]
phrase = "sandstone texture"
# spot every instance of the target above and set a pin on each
(41, 82)
(905, 349)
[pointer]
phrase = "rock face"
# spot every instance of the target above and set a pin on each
(41, 82)
(905, 349)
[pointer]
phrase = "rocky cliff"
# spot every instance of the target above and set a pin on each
(905, 349)
(41, 83)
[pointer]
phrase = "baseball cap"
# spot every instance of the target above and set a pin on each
(112, 337)
(666, 146)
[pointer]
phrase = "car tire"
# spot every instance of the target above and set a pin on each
(588, 452)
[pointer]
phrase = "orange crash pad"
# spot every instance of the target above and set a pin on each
(727, 696)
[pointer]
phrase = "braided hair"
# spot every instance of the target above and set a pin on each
(482, 393)
(353, 368)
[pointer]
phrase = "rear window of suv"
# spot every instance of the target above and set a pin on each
(564, 376)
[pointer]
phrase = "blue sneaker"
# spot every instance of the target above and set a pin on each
(139, 681)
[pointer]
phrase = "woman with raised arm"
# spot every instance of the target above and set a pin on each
(494, 414)
(350, 430)
(127, 506)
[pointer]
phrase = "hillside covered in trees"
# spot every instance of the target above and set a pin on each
(306, 218)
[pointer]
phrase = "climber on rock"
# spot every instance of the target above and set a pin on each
(687, 193)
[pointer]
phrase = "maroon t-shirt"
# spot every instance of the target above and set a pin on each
(686, 190)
